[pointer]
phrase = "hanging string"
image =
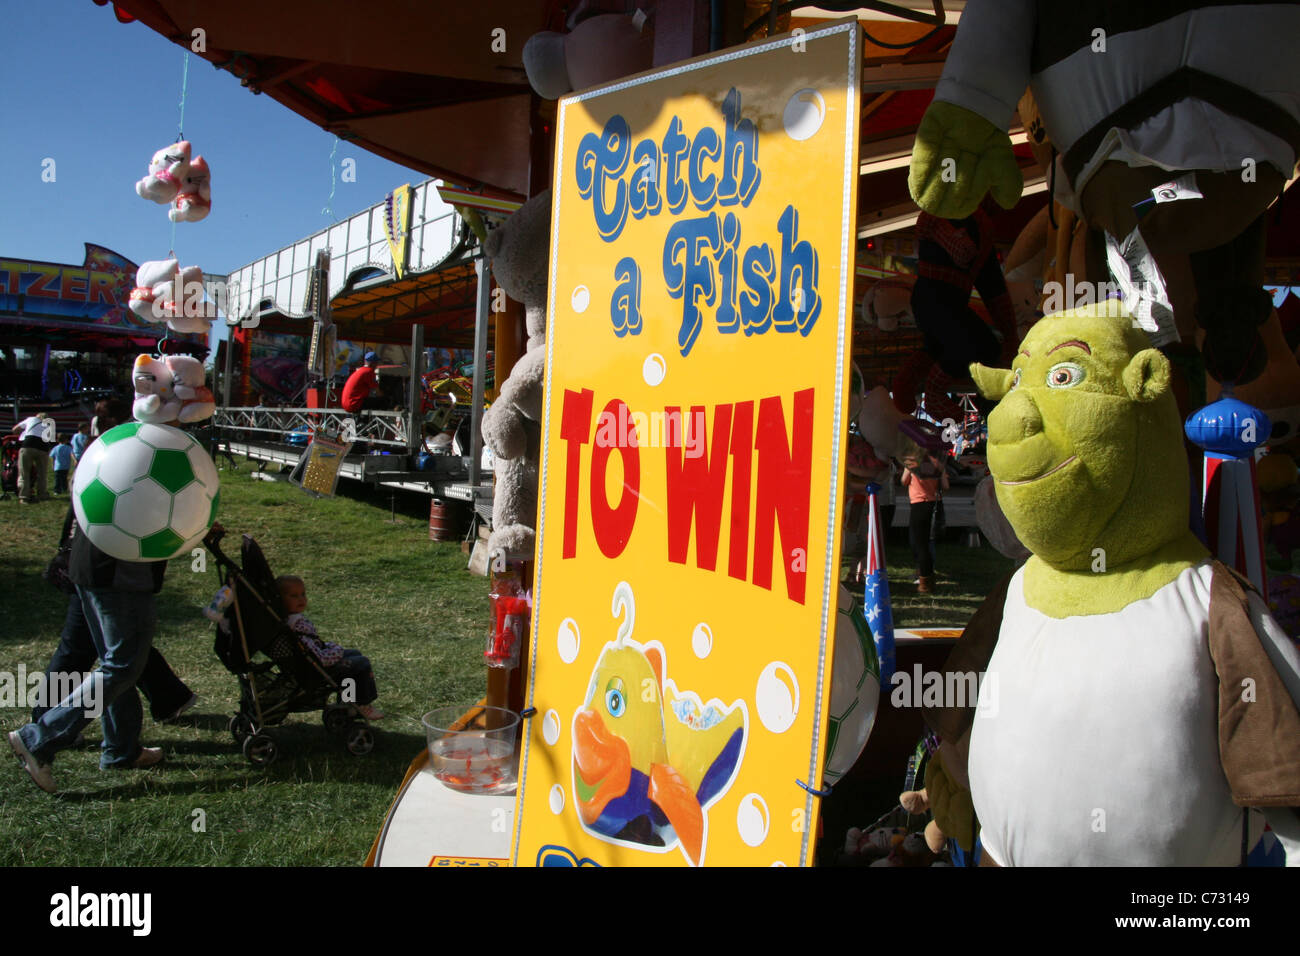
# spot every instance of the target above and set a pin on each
(329, 204)
(180, 126)
(185, 84)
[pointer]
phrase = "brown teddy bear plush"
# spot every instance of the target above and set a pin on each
(512, 426)
(917, 802)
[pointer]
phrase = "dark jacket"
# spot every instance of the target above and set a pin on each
(89, 567)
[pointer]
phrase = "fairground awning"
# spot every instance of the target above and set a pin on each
(440, 87)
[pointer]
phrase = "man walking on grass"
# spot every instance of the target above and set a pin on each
(36, 435)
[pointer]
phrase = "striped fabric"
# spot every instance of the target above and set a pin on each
(875, 593)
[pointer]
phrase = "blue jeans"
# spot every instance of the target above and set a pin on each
(121, 626)
(76, 655)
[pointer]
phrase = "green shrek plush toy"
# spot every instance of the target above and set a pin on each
(1136, 694)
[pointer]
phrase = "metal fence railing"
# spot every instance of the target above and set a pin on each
(277, 424)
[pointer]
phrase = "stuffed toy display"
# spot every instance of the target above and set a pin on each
(512, 425)
(1053, 246)
(1278, 497)
(1276, 391)
(878, 421)
(170, 389)
(887, 306)
(177, 181)
(167, 170)
(887, 845)
(917, 802)
(153, 280)
(166, 293)
(602, 44)
(954, 256)
(194, 199)
(1137, 695)
(1175, 135)
(182, 301)
(994, 524)
(921, 375)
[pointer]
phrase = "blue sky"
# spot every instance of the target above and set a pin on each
(99, 98)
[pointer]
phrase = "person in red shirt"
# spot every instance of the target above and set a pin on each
(360, 384)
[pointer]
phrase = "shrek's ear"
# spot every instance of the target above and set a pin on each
(993, 383)
(1146, 377)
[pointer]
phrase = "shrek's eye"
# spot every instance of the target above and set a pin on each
(1015, 379)
(614, 700)
(1064, 375)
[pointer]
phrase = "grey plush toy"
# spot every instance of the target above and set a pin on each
(606, 41)
(512, 426)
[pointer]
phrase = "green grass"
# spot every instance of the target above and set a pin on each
(375, 582)
(963, 576)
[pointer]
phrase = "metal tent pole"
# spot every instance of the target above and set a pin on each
(415, 420)
(480, 361)
(230, 365)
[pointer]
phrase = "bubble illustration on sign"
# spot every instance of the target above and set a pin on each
(804, 114)
(654, 369)
(580, 299)
(753, 819)
(551, 727)
(568, 640)
(702, 640)
(777, 697)
(648, 759)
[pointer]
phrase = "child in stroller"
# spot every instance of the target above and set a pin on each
(278, 675)
(341, 664)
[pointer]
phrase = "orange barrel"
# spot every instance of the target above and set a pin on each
(446, 520)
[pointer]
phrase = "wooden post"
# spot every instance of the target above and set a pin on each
(509, 338)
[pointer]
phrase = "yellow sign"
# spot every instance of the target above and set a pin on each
(397, 226)
(467, 861)
(320, 466)
(694, 432)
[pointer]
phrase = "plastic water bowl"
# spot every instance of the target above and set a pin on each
(472, 747)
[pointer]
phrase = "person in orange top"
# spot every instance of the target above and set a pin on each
(925, 483)
(363, 381)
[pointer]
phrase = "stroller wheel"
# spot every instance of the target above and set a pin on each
(241, 728)
(360, 740)
(337, 718)
(261, 750)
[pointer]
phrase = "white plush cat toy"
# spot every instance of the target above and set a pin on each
(194, 200)
(167, 172)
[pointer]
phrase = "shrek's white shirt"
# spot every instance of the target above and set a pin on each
(1096, 737)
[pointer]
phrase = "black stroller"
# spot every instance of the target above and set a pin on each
(9, 446)
(289, 680)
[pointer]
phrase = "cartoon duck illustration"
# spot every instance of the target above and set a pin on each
(648, 760)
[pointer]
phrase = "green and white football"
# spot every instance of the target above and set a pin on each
(145, 492)
(855, 689)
